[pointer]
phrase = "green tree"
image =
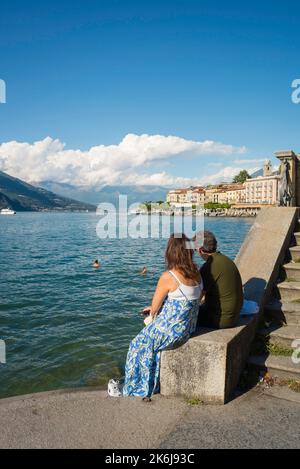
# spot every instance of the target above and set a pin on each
(242, 177)
(212, 205)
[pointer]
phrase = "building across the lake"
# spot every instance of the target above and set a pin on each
(225, 194)
(186, 197)
(271, 188)
(198, 196)
(262, 190)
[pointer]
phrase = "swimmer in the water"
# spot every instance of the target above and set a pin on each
(96, 264)
(144, 271)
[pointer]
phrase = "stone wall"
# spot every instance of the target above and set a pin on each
(210, 364)
(297, 188)
(263, 251)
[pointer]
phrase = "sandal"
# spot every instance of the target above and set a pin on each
(147, 399)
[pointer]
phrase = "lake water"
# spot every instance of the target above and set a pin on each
(65, 324)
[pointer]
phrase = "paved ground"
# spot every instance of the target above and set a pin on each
(256, 420)
(89, 419)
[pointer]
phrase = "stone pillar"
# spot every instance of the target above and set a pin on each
(298, 181)
(294, 173)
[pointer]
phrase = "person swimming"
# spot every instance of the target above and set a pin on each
(144, 271)
(96, 264)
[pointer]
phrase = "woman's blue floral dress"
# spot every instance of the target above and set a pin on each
(173, 326)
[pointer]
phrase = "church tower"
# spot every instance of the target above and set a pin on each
(268, 169)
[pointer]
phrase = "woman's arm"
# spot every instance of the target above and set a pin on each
(162, 290)
(163, 287)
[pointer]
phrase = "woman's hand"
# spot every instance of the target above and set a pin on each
(148, 310)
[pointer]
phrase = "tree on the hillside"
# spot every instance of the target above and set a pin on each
(242, 177)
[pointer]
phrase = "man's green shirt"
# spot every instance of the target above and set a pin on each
(224, 291)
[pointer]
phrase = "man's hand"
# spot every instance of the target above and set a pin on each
(202, 298)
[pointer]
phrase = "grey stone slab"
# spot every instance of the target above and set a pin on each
(295, 253)
(86, 419)
(89, 419)
(264, 250)
(255, 421)
(283, 336)
(277, 366)
(289, 291)
(283, 392)
(292, 271)
(283, 312)
(297, 238)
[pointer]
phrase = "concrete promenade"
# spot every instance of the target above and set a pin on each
(89, 419)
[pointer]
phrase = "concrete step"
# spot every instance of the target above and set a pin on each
(292, 271)
(289, 291)
(283, 312)
(295, 253)
(283, 336)
(297, 238)
(281, 367)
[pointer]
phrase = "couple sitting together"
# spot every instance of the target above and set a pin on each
(185, 298)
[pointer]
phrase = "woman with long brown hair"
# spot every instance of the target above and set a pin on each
(172, 318)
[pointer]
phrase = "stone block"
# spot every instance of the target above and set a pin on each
(209, 365)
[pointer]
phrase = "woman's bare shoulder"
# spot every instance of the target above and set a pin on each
(165, 281)
(165, 276)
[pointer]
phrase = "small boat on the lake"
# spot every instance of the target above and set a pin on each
(7, 211)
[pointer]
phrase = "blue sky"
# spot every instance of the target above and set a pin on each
(90, 72)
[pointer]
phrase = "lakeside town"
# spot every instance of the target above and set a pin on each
(244, 197)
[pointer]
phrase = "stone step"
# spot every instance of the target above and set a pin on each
(283, 336)
(297, 238)
(283, 312)
(295, 253)
(292, 271)
(281, 367)
(292, 318)
(289, 291)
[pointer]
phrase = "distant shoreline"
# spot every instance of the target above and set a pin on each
(228, 213)
(56, 211)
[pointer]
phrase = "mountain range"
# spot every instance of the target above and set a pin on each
(108, 194)
(50, 195)
(21, 196)
(258, 173)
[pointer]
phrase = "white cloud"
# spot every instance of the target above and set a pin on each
(250, 161)
(124, 163)
(163, 179)
(225, 175)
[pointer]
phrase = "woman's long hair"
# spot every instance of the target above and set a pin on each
(179, 256)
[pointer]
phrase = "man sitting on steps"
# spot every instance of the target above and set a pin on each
(222, 285)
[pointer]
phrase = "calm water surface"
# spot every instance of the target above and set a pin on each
(65, 324)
